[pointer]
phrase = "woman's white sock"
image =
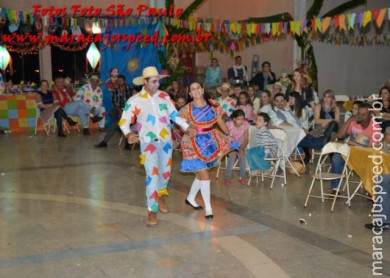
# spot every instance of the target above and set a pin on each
(205, 191)
(193, 191)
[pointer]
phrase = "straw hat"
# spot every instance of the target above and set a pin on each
(225, 86)
(68, 81)
(95, 77)
(146, 73)
(362, 140)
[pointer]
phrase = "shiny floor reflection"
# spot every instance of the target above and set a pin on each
(70, 210)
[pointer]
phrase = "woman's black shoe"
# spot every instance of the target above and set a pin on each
(71, 122)
(61, 134)
(197, 208)
(209, 216)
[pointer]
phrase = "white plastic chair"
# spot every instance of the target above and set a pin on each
(281, 137)
(50, 125)
(332, 147)
(341, 98)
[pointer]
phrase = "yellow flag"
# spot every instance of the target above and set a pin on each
(366, 17)
(275, 28)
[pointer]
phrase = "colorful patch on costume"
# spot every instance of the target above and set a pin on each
(155, 171)
(151, 135)
(169, 163)
(173, 115)
(154, 208)
(148, 180)
(150, 148)
(151, 119)
(163, 192)
(163, 120)
(154, 196)
(167, 147)
(144, 95)
(166, 175)
(163, 133)
(136, 111)
(162, 95)
(163, 106)
(127, 107)
(142, 159)
(122, 122)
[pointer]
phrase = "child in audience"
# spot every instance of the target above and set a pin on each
(239, 130)
(265, 146)
(244, 103)
(354, 110)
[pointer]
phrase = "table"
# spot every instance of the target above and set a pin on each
(17, 112)
(360, 162)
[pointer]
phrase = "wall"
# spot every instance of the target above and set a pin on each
(279, 53)
(352, 70)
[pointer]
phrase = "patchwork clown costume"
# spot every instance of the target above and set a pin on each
(93, 98)
(153, 115)
(228, 105)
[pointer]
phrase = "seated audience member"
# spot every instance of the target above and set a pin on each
(49, 107)
(286, 117)
(237, 71)
(354, 111)
(265, 146)
(383, 112)
(244, 103)
(296, 106)
(300, 84)
(237, 89)
(264, 77)
(92, 96)
(326, 116)
(239, 129)
(213, 76)
(267, 106)
(174, 89)
(180, 101)
(120, 94)
(227, 103)
(70, 106)
(381, 222)
(361, 124)
(254, 99)
(177, 133)
(277, 88)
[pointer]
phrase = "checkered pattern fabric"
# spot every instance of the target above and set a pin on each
(17, 112)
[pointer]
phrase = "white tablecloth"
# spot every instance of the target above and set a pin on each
(294, 136)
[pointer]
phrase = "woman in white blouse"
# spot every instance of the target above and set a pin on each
(296, 106)
(255, 100)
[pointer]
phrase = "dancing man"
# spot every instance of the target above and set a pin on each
(153, 110)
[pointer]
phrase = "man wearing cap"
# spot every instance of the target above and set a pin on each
(92, 96)
(153, 110)
(227, 103)
(78, 108)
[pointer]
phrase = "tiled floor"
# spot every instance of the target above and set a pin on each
(69, 210)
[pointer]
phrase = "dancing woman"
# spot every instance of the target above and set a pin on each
(207, 147)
